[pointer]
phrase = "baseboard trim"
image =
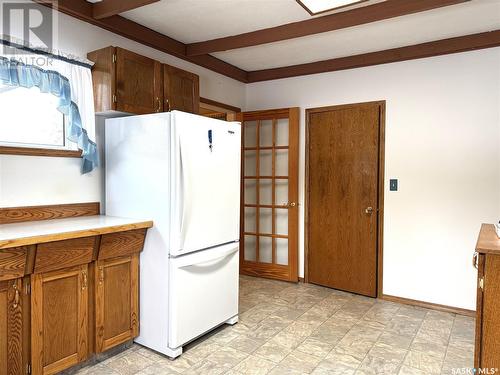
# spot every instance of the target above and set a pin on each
(429, 305)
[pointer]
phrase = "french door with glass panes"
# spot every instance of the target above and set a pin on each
(269, 209)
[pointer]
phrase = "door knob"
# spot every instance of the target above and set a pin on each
(369, 210)
(291, 204)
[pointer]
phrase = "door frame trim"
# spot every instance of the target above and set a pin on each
(380, 192)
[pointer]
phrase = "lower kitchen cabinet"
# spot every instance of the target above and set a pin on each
(12, 328)
(116, 301)
(59, 319)
(487, 261)
(62, 301)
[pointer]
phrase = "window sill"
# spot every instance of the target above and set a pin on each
(28, 151)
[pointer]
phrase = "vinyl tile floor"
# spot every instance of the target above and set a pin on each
(307, 329)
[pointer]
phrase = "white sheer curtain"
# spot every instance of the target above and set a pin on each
(66, 77)
(82, 95)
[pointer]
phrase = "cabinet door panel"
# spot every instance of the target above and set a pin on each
(103, 78)
(4, 308)
(181, 89)
(59, 319)
(11, 328)
(138, 83)
(490, 344)
(479, 263)
(116, 301)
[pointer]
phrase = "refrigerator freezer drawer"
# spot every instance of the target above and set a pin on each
(203, 292)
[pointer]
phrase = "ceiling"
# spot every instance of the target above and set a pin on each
(191, 21)
(255, 40)
(197, 20)
(456, 20)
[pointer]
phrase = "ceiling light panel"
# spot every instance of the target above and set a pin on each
(320, 6)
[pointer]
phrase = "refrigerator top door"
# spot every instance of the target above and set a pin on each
(205, 182)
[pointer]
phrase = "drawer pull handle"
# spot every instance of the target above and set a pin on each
(101, 275)
(84, 284)
(475, 260)
(158, 103)
(16, 297)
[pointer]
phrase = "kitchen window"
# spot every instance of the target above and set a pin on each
(30, 119)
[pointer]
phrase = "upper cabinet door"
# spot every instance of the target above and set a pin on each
(181, 90)
(138, 83)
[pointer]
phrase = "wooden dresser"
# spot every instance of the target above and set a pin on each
(69, 288)
(487, 262)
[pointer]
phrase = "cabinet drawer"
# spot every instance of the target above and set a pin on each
(13, 262)
(120, 244)
(61, 254)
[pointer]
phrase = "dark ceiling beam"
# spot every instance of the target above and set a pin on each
(83, 10)
(108, 8)
(354, 17)
(418, 51)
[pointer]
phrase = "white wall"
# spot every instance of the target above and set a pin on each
(442, 143)
(28, 180)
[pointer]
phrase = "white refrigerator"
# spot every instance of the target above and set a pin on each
(183, 172)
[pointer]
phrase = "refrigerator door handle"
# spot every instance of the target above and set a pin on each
(204, 262)
(182, 192)
(184, 205)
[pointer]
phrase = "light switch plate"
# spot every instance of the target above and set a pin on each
(393, 184)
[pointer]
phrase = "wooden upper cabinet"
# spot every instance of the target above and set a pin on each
(103, 78)
(126, 81)
(116, 301)
(59, 319)
(138, 83)
(181, 90)
(12, 306)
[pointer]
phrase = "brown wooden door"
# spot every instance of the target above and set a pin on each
(138, 83)
(342, 196)
(181, 89)
(269, 208)
(59, 319)
(116, 301)
(11, 327)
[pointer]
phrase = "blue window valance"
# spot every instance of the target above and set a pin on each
(16, 73)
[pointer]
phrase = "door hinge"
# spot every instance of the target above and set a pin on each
(114, 58)
(481, 283)
(28, 369)
(115, 100)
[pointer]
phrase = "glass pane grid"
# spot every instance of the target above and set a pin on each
(266, 185)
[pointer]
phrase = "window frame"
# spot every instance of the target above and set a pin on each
(35, 151)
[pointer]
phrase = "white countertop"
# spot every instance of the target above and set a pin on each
(32, 232)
